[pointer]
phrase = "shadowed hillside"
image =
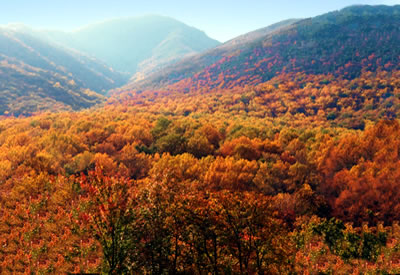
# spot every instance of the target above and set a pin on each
(36, 75)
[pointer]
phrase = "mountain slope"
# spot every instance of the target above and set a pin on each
(140, 44)
(343, 43)
(36, 75)
(190, 65)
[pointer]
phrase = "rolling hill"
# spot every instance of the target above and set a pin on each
(136, 45)
(37, 75)
(275, 153)
(337, 69)
(62, 71)
(342, 43)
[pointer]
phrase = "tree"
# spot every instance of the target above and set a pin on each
(110, 212)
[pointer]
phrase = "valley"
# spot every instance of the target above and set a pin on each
(276, 152)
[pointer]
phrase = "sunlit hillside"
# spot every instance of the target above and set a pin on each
(277, 152)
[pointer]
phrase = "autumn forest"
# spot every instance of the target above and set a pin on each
(277, 153)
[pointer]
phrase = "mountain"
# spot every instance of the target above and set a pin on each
(37, 75)
(195, 63)
(276, 153)
(62, 71)
(342, 43)
(136, 45)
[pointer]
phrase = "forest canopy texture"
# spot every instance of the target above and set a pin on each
(273, 160)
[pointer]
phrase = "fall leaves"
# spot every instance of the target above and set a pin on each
(142, 188)
(161, 227)
(361, 173)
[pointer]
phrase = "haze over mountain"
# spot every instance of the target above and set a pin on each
(137, 45)
(277, 152)
(195, 63)
(39, 67)
(37, 75)
(341, 42)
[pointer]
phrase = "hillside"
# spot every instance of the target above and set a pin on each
(342, 43)
(265, 168)
(136, 45)
(271, 154)
(37, 75)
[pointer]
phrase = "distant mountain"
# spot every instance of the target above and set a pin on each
(342, 43)
(36, 75)
(136, 45)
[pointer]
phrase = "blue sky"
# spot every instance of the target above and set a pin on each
(220, 19)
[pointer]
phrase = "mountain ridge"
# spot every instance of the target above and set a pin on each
(38, 76)
(131, 43)
(37, 70)
(215, 54)
(337, 42)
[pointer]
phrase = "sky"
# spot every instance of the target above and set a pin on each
(220, 19)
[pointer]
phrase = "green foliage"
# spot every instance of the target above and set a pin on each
(171, 143)
(372, 244)
(332, 231)
(331, 116)
(160, 127)
(350, 245)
